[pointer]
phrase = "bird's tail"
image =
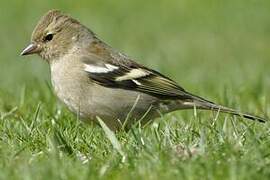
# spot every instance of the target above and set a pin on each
(201, 103)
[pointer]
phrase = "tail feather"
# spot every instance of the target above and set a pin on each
(207, 105)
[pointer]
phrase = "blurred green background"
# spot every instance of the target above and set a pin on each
(209, 47)
(218, 49)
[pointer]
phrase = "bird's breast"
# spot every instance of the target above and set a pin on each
(68, 84)
(89, 100)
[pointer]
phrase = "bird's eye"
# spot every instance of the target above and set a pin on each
(48, 37)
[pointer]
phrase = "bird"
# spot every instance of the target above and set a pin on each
(95, 81)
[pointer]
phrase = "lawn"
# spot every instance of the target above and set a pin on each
(217, 49)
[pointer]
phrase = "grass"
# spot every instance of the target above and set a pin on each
(217, 49)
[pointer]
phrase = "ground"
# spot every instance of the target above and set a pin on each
(216, 49)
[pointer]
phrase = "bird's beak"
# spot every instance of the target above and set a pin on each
(31, 49)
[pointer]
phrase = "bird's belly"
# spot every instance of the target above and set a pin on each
(113, 106)
(117, 106)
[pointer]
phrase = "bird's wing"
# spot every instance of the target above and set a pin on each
(126, 74)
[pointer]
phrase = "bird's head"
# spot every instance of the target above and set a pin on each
(54, 35)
